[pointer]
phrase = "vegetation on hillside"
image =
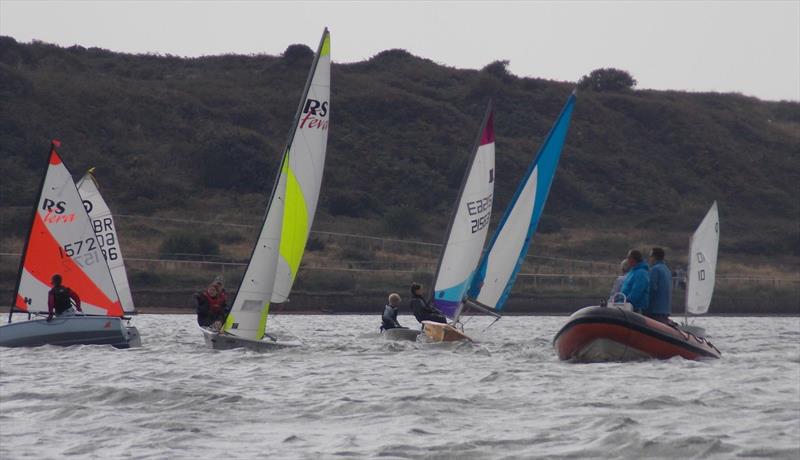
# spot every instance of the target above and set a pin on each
(202, 138)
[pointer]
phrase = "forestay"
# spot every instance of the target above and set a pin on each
(106, 233)
(703, 263)
(512, 238)
(469, 225)
(62, 241)
(276, 257)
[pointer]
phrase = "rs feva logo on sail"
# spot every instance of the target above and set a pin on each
(55, 212)
(315, 115)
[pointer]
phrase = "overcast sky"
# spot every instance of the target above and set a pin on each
(747, 47)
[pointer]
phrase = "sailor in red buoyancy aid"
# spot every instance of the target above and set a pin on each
(60, 299)
(212, 305)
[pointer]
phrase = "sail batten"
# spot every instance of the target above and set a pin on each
(497, 271)
(469, 224)
(279, 249)
(701, 273)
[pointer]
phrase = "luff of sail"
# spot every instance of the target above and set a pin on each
(279, 249)
(702, 270)
(512, 238)
(106, 233)
(62, 241)
(469, 224)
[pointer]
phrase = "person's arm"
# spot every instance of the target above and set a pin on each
(75, 298)
(51, 303)
(655, 278)
(638, 290)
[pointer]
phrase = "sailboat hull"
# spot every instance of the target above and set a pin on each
(600, 334)
(222, 341)
(401, 333)
(73, 330)
(440, 332)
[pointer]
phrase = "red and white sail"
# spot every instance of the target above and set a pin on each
(62, 241)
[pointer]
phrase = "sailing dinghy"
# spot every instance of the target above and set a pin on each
(702, 270)
(615, 333)
(491, 282)
(62, 240)
(469, 226)
(290, 212)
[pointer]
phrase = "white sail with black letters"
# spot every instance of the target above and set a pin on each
(106, 233)
(702, 270)
(469, 224)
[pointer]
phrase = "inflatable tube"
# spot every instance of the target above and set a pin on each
(599, 334)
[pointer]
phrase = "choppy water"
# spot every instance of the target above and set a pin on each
(349, 394)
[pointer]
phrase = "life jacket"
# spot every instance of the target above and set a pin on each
(61, 299)
(215, 304)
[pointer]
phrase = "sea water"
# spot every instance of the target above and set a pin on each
(350, 394)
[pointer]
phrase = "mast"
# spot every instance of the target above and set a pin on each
(486, 117)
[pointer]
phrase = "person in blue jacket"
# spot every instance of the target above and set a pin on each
(636, 285)
(660, 287)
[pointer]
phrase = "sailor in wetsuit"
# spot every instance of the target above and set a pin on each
(60, 299)
(390, 310)
(423, 311)
(211, 305)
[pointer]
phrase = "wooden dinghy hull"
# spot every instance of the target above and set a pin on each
(601, 334)
(401, 333)
(70, 330)
(440, 332)
(222, 341)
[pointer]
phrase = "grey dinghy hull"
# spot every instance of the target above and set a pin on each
(401, 334)
(223, 341)
(71, 330)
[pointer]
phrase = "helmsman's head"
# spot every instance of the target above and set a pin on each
(56, 280)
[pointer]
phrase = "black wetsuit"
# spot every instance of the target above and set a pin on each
(424, 312)
(390, 318)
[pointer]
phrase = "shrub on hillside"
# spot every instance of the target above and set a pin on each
(402, 221)
(607, 79)
(178, 245)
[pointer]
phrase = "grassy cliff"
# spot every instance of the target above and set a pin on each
(200, 139)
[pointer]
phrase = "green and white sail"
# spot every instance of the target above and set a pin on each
(106, 232)
(276, 257)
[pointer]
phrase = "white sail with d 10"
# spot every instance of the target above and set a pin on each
(703, 263)
(106, 233)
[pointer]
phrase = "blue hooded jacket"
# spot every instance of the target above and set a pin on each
(660, 289)
(636, 287)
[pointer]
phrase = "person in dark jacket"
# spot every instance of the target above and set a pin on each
(636, 285)
(61, 298)
(660, 298)
(211, 305)
(422, 310)
(390, 310)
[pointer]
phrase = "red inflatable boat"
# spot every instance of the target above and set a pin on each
(598, 334)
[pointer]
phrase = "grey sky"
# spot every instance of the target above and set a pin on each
(747, 47)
